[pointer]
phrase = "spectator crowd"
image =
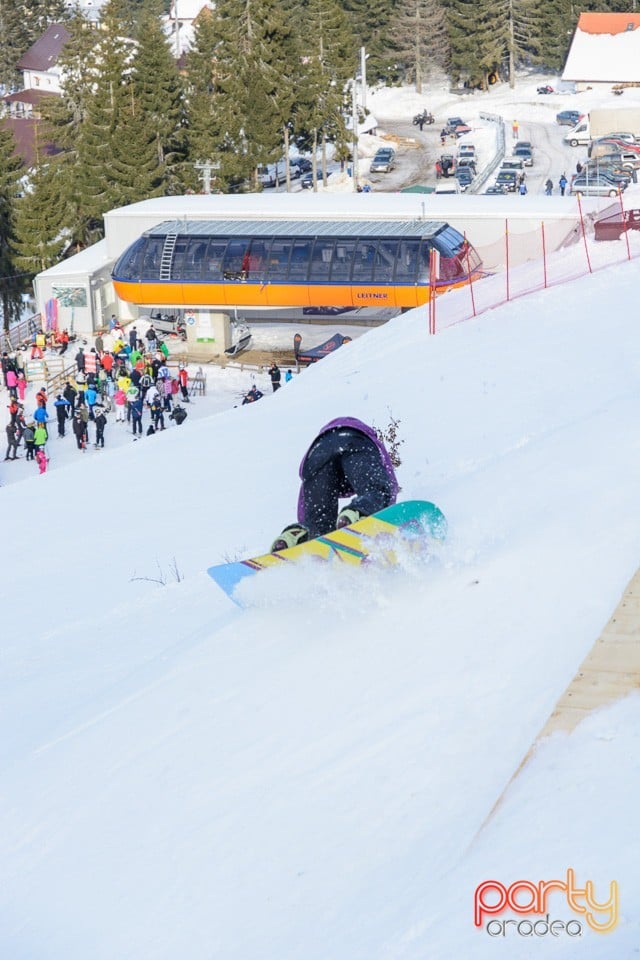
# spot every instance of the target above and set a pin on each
(121, 375)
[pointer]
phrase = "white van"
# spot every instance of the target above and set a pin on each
(272, 174)
(580, 136)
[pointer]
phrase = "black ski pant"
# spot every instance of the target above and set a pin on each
(340, 463)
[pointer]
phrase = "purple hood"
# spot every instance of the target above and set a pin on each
(353, 424)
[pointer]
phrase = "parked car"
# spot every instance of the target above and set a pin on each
(620, 161)
(568, 118)
(467, 150)
(507, 180)
(594, 185)
(384, 160)
(602, 170)
(467, 163)
(512, 163)
(496, 190)
(464, 177)
(630, 151)
(449, 186)
(622, 135)
(525, 154)
(303, 164)
(546, 89)
(456, 127)
(307, 179)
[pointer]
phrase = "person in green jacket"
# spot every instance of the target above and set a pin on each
(40, 437)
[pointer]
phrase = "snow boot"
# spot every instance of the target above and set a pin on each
(291, 536)
(346, 517)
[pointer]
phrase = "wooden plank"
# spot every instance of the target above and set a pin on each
(610, 671)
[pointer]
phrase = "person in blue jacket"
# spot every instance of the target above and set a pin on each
(41, 416)
(91, 396)
(346, 459)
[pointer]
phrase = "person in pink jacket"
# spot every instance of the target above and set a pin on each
(12, 383)
(41, 459)
(120, 400)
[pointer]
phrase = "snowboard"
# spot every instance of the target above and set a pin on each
(369, 539)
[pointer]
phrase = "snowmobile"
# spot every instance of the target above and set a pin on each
(424, 117)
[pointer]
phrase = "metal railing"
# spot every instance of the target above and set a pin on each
(24, 331)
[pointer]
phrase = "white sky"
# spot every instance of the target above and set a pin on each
(304, 778)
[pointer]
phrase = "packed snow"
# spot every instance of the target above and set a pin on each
(309, 776)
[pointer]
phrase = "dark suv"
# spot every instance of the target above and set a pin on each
(508, 180)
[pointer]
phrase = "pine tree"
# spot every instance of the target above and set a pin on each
(330, 63)
(40, 239)
(373, 27)
(252, 86)
(108, 111)
(209, 140)
(11, 281)
(159, 98)
(421, 39)
(479, 40)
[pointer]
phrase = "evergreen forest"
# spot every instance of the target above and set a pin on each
(260, 77)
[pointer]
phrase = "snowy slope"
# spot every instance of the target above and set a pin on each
(304, 778)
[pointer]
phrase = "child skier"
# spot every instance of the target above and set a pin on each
(345, 460)
(41, 460)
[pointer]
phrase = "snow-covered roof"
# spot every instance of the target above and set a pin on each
(81, 264)
(605, 49)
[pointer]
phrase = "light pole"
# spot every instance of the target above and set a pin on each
(363, 76)
(354, 125)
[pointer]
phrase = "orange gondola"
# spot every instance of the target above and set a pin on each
(290, 263)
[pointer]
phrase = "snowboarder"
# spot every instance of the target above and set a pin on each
(548, 187)
(179, 414)
(253, 395)
(562, 183)
(347, 459)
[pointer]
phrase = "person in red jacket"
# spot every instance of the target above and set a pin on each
(183, 380)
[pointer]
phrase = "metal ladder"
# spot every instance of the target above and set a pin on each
(167, 256)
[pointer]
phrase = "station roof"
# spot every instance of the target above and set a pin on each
(401, 228)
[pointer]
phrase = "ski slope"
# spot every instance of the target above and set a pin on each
(305, 778)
